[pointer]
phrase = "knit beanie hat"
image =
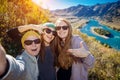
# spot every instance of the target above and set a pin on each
(48, 24)
(27, 34)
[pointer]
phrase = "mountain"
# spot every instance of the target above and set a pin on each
(105, 11)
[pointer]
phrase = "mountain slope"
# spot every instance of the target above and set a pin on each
(108, 11)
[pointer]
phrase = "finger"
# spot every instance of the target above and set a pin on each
(69, 50)
(24, 28)
(81, 44)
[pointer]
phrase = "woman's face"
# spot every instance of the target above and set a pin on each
(48, 35)
(32, 45)
(62, 29)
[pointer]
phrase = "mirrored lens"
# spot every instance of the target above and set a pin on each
(63, 27)
(29, 42)
(48, 31)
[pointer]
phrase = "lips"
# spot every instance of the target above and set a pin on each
(34, 49)
(49, 37)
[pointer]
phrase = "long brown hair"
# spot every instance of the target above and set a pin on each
(65, 60)
(42, 50)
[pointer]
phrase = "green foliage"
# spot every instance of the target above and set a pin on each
(101, 31)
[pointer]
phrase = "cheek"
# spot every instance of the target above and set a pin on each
(39, 47)
(27, 48)
(66, 32)
(58, 33)
(44, 36)
(53, 37)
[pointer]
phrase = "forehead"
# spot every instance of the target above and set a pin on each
(32, 37)
(50, 28)
(61, 23)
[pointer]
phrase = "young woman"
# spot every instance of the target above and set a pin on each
(24, 67)
(47, 57)
(74, 57)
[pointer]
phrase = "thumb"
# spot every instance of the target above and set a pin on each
(81, 44)
(74, 50)
(70, 50)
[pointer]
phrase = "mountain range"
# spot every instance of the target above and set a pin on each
(108, 11)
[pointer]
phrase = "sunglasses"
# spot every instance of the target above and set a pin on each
(29, 42)
(63, 27)
(48, 31)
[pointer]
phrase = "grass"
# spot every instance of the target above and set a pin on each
(107, 63)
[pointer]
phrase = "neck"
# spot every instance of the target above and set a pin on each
(63, 40)
(47, 44)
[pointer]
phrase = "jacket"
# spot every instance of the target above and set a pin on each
(24, 67)
(80, 68)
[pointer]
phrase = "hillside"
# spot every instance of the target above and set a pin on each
(108, 13)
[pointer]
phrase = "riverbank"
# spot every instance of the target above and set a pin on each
(92, 30)
(79, 23)
(114, 25)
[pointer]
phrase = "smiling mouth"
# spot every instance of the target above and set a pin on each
(49, 37)
(34, 49)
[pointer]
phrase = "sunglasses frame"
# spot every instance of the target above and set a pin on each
(63, 27)
(29, 42)
(48, 31)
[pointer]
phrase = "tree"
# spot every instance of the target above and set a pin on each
(14, 13)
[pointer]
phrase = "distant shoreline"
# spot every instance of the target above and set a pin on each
(113, 25)
(92, 29)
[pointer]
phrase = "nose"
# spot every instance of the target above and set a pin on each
(51, 33)
(33, 44)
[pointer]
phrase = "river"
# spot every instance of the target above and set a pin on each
(113, 41)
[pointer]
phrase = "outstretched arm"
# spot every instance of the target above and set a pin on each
(10, 68)
(83, 53)
(3, 61)
(80, 52)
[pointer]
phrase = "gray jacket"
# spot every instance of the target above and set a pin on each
(24, 67)
(80, 68)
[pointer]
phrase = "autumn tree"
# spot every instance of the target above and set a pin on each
(14, 13)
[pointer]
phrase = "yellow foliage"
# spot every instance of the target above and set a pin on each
(107, 64)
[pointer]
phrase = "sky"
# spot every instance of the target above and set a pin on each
(61, 4)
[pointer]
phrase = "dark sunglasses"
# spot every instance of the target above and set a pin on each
(48, 31)
(29, 42)
(63, 27)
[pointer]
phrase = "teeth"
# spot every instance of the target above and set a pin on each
(34, 49)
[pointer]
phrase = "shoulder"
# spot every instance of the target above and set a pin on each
(76, 38)
(14, 66)
(23, 57)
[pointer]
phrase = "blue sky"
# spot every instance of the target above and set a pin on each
(60, 4)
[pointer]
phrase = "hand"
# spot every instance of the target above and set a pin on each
(80, 52)
(31, 26)
(3, 62)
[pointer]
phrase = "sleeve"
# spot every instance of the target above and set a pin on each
(16, 69)
(88, 61)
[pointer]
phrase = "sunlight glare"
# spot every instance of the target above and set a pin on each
(42, 3)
